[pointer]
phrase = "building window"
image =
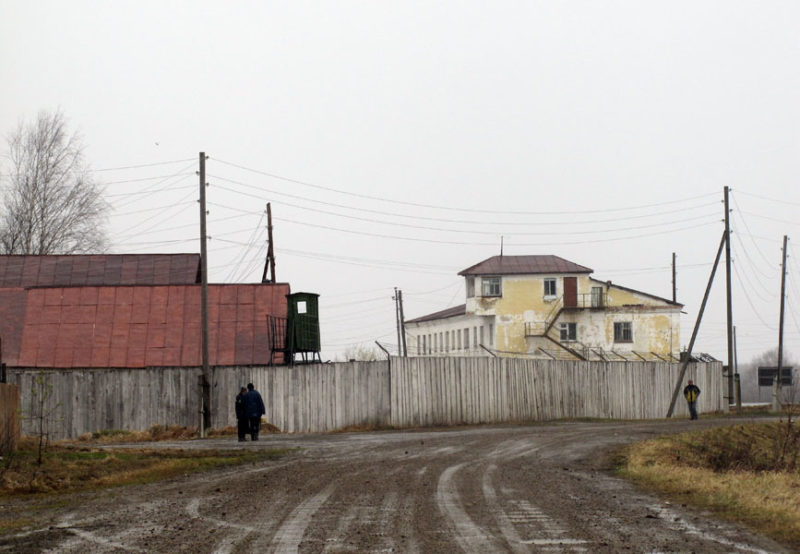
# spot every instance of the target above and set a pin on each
(597, 297)
(491, 334)
(466, 339)
(470, 287)
(569, 332)
(482, 342)
(623, 331)
(490, 286)
(550, 287)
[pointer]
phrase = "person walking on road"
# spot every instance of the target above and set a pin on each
(254, 409)
(691, 392)
(242, 423)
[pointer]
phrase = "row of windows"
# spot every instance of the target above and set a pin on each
(453, 340)
(623, 331)
(491, 286)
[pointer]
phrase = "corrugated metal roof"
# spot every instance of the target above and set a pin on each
(524, 265)
(449, 312)
(146, 326)
(99, 270)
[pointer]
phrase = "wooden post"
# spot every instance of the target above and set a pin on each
(206, 403)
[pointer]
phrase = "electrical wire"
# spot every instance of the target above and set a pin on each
(492, 233)
(434, 241)
(749, 301)
(140, 180)
(143, 165)
(738, 213)
(361, 209)
(447, 208)
(784, 201)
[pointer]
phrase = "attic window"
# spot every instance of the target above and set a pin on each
(490, 286)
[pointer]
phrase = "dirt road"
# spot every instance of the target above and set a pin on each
(544, 488)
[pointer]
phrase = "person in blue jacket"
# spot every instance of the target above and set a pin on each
(254, 409)
(242, 423)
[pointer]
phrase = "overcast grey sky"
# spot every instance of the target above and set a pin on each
(399, 141)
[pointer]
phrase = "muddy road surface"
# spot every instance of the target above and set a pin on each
(544, 488)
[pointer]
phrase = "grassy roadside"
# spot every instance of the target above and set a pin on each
(745, 473)
(71, 466)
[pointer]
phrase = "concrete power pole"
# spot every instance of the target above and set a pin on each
(206, 378)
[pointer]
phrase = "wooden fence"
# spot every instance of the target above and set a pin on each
(9, 418)
(412, 392)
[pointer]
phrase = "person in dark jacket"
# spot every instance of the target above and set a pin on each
(254, 409)
(242, 423)
(691, 392)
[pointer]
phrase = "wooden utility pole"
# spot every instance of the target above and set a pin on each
(206, 400)
(270, 261)
(402, 324)
(685, 363)
(728, 297)
(780, 324)
(674, 282)
(397, 321)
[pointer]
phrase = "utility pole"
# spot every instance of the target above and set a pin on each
(270, 261)
(728, 296)
(206, 400)
(776, 401)
(685, 363)
(402, 324)
(674, 282)
(397, 320)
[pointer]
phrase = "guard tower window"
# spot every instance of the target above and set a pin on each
(301, 307)
(490, 286)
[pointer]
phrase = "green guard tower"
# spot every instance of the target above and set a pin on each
(302, 328)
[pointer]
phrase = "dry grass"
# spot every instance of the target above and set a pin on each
(730, 471)
(70, 468)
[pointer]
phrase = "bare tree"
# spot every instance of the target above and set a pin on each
(51, 203)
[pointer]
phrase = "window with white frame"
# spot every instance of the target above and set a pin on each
(623, 331)
(466, 339)
(569, 332)
(550, 290)
(490, 286)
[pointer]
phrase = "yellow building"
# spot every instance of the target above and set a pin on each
(548, 307)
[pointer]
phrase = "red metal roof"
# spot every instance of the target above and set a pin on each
(524, 265)
(99, 269)
(144, 326)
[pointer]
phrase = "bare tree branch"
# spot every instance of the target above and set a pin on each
(51, 203)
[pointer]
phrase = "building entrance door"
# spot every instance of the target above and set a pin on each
(570, 292)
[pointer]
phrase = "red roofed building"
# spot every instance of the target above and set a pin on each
(129, 311)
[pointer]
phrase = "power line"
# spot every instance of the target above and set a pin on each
(448, 208)
(144, 165)
(139, 180)
(439, 219)
(492, 233)
(434, 241)
(783, 201)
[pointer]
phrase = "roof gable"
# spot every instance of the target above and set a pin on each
(524, 265)
(99, 270)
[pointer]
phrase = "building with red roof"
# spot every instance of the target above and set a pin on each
(129, 311)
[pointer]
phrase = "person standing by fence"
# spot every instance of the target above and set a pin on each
(254, 408)
(691, 392)
(242, 423)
